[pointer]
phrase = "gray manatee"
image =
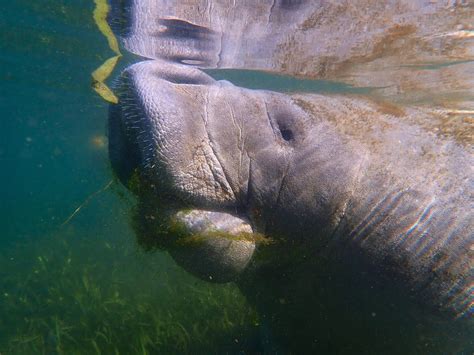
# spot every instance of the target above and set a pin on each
(370, 201)
(400, 47)
(345, 220)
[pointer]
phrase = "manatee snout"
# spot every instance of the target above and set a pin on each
(157, 141)
(159, 127)
(138, 124)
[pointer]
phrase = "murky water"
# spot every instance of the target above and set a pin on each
(72, 279)
(83, 287)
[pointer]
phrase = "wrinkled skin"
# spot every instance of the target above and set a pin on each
(377, 197)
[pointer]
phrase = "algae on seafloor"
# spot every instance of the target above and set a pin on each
(66, 295)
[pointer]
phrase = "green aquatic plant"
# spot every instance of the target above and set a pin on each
(156, 227)
(100, 75)
(80, 293)
(70, 294)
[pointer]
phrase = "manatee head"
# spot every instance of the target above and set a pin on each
(209, 145)
(194, 137)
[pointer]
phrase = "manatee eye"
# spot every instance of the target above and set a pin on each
(285, 124)
(286, 134)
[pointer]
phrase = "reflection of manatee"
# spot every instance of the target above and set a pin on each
(400, 46)
(371, 202)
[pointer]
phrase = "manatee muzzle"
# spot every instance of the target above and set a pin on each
(145, 133)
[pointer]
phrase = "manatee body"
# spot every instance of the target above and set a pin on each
(382, 191)
(368, 205)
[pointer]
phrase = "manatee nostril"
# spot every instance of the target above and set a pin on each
(286, 134)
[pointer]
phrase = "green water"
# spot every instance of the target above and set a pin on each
(72, 278)
(83, 287)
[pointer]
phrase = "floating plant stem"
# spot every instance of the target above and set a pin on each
(103, 72)
(86, 201)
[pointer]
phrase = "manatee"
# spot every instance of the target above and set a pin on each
(404, 48)
(368, 204)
